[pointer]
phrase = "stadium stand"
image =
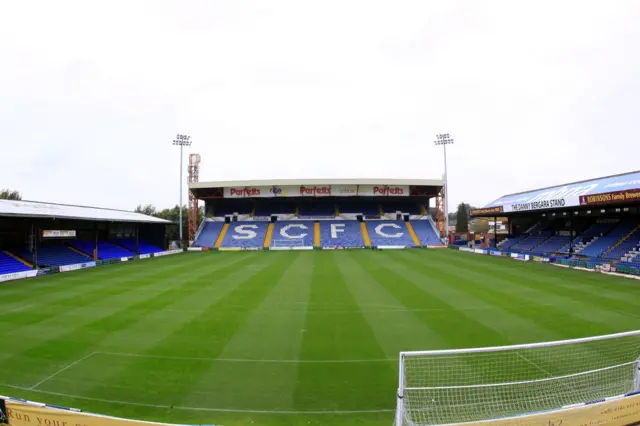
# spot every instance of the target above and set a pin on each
(143, 247)
(426, 234)
(341, 233)
(554, 244)
(599, 245)
(54, 254)
(288, 233)
(392, 206)
(245, 235)
(532, 241)
(624, 246)
(9, 265)
(209, 234)
(319, 208)
(106, 250)
(389, 233)
(365, 207)
(274, 206)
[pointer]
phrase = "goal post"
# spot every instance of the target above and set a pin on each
(480, 384)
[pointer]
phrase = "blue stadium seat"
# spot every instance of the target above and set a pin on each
(289, 233)
(602, 244)
(426, 234)
(341, 233)
(143, 247)
(9, 265)
(553, 244)
(245, 235)
(209, 234)
(365, 207)
(389, 233)
(106, 250)
(624, 247)
(55, 254)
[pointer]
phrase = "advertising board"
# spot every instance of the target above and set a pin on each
(75, 267)
(18, 275)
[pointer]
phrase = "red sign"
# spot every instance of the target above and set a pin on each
(244, 192)
(611, 197)
(388, 190)
(315, 191)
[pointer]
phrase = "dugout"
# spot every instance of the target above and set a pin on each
(27, 226)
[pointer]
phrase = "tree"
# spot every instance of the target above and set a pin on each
(148, 209)
(462, 218)
(8, 194)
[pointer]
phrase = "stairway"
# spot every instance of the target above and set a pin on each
(220, 238)
(267, 237)
(316, 234)
(413, 234)
(365, 234)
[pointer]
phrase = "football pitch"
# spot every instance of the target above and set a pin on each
(280, 338)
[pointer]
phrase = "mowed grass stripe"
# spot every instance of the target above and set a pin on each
(74, 340)
(14, 291)
(588, 287)
(118, 350)
(519, 294)
(340, 336)
(514, 297)
(90, 286)
(484, 288)
(265, 335)
(159, 380)
(395, 325)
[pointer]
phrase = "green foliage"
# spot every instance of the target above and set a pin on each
(173, 216)
(462, 218)
(8, 194)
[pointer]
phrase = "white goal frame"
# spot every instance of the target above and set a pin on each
(402, 419)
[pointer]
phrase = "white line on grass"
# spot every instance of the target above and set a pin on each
(547, 372)
(221, 410)
(21, 308)
(68, 366)
(283, 361)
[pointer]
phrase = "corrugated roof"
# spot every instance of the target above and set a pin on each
(316, 182)
(63, 211)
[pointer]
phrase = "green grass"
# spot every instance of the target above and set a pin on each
(191, 338)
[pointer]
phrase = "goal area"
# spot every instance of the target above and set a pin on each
(471, 385)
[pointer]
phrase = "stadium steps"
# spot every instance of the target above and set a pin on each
(18, 258)
(220, 238)
(365, 234)
(622, 240)
(316, 234)
(269, 235)
(413, 234)
(79, 251)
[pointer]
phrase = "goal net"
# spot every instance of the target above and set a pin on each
(467, 385)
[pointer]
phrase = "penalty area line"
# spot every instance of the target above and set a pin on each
(186, 408)
(65, 368)
(271, 361)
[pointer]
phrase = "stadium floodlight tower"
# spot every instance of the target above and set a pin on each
(445, 139)
(181, 141)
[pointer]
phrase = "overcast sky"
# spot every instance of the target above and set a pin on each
(534, 93)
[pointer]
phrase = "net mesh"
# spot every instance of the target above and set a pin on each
(443, 387)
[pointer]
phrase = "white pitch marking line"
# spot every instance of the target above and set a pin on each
(62, 369)
(547, 372)
(221, 410)
(283, 361)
